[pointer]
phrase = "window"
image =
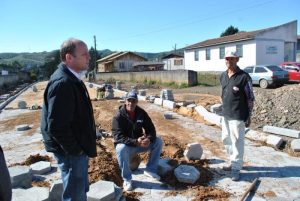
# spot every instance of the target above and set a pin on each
(260, 70)
(121, 65)
(239, 50)
(207, 54)
(197, 55)
(249, 69)
(222, 52)
(178, 62)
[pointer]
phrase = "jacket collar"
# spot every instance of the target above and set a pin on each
(63, 67)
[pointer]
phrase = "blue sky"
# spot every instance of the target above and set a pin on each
(133, 25)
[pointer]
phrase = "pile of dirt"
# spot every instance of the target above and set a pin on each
(41, 184)
(277, 107)
(33, 159)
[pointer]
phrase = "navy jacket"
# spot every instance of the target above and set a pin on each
(67, 122)
(126, 131)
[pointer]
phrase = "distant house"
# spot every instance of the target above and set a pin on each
(266, 46)
(148, 66)
(173, 62)
(298, 49)
(118, 62)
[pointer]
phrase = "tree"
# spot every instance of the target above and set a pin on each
(51, 62)
(230, 31)
(93, 60)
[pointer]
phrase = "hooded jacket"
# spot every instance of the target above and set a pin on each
(127, 132)
(67, 123)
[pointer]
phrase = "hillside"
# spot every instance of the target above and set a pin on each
(38, 58)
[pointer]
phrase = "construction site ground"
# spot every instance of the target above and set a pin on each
(278, 170)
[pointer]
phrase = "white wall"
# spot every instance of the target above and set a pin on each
(217, 64)
(266, 54)
(169, 64)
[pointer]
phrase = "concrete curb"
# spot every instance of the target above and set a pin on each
(5, 103)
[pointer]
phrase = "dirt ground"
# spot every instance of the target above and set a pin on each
(175, 138)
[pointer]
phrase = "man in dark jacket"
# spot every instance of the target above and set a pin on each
(130, 139)
(67, 123)
(237, 100)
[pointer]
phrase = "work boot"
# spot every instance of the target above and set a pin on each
(127, 185)
(235, 175)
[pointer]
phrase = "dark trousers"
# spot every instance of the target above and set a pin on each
(5, 184)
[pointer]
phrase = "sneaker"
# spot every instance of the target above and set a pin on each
(226, 168)
(235, 175)
(152, 175)
(127, 185)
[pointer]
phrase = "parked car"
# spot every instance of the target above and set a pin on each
(267, 75)
(294, 70)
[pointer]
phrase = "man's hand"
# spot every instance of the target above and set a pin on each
(247, 123)
(143, 141)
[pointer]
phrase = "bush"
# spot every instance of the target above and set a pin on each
(208, 79)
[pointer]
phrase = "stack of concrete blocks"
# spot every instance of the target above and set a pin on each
(208, 116)
(118, 85)
(104, 190)
(187, 174)
(167, 94)
(193, 151)
(109, 93)
(22, 105)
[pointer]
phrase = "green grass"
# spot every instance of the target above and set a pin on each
(208, 79)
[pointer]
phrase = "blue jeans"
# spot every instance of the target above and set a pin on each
(124, 151)
(74, 173)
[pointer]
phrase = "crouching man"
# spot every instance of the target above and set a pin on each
(133, 133)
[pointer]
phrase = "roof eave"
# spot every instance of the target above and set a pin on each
(201, 46)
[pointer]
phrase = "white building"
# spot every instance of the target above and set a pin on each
(173, 62)
(267, 46)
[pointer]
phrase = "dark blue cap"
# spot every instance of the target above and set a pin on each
(131, 95)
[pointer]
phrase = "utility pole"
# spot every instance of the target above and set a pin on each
(175, 48)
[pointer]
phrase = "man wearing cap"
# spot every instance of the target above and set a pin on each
(237, 104)
(133, 133)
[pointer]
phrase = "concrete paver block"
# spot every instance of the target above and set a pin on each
(168, 116)
(213, 118)
(295, 145)
(142, 98)
(20, 176)
(274, 141)
(169, 104)
(201, 110)
(164, 167)
(31, 194)
(282, 131)
(34, 89)
(158, 101)
(187, 174)
(101, 190)
(22, 105)
(22, 127)
(41, 167)
(193, 151)
(56, 190)
(190, 106)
